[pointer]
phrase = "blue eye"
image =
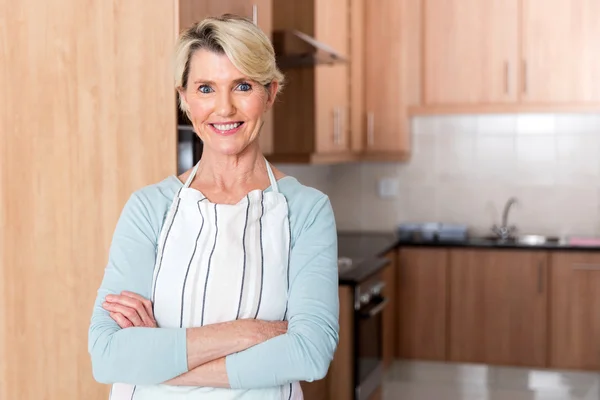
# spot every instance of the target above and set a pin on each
(244, 87)
(205, 89)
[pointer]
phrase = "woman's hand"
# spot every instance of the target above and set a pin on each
(130, 309)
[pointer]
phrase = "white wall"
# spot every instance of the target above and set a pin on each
(464, 168)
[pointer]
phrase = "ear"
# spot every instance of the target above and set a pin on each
(272, 93)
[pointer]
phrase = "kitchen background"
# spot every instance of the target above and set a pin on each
(402, 111)
(464, 168)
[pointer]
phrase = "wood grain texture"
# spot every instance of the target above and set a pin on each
(575, 307)
(498, 307)
(519, 108)
(421, 305)
(561, 51)
(341, 377)
(471, 51)
(86, 118)
(385, 85)
(389, 313)
(357, 76)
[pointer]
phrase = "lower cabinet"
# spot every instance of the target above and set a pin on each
(575, 310)
(421, 303)
(531, 308)
(498, 307)
(317, 390)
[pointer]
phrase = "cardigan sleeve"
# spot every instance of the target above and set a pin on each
(133, 355)
(305, 352)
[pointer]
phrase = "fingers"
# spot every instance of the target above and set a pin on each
(130, 313)
(145, 302)
(132, 301)
(121, 320)
(132, 306)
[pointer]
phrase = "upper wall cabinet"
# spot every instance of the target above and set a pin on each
(471, 51)
(509, 56)
(191, 11)
(561, 51)
(311, 115)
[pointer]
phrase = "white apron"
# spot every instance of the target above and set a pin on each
(218, 263)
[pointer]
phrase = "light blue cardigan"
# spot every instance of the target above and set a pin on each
(147, 356)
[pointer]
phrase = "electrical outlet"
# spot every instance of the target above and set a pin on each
(387, 188)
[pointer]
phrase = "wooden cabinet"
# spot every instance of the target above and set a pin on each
(471, 51)
(498, 307)
(561, 51)
(311, 115)
(389, 313)
(105, 128)
(481, 56)
(384, 120)
(421, 303)
(260, 11)
(575, 310)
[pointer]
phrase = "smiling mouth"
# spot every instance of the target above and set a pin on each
(229, 127)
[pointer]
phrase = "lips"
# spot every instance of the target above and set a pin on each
(228, 128)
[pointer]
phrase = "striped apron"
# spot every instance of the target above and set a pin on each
(218, 263)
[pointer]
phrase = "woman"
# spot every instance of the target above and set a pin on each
(221, 283)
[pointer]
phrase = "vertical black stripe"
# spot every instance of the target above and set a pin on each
(133, 393)
(288, 267)
(262, 255)
(244, 249)
(190, 263)
(163, 249)
(290, 392)
(208, 270)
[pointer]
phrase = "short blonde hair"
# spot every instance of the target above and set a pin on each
(246, 46)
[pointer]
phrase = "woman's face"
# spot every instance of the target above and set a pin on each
(226, 108)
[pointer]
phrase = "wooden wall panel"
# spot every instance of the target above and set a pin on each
(86, 117)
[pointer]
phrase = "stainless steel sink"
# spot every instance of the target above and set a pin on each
(525, 240)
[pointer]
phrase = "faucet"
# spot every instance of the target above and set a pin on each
(504, 231)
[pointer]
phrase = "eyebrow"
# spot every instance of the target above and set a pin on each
(238, 80)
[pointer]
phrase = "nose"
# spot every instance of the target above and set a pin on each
(225, 106)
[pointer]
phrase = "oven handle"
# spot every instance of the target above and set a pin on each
(375, 310)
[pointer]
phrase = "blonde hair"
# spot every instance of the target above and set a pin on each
(246, 46)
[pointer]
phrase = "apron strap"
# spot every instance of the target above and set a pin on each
(274, 185)
(192, 175)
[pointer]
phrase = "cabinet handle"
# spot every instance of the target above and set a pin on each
(586, 267)
(336, 128)
(507, 77)
(525, 77)
(541, 277)
(255, 14)
(370, 128)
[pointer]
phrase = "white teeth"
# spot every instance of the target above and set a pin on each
(227, 127)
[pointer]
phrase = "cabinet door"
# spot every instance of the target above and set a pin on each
(561, 51)
(389, 313)
(357, 76)
(421, 304)
(331, 108)
(332, 24)
(498, 304)
(575, 311)
(471, 51)
(191, 11)
(384, 119)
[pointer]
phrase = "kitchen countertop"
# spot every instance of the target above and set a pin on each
(365, 251)
(493, 244)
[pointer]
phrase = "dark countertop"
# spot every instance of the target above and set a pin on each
(365, 250)
(483, 243)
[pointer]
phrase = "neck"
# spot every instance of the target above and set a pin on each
(226, 171)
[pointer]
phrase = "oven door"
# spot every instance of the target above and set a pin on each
(369, 346)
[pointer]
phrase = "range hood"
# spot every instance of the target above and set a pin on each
(295, 49)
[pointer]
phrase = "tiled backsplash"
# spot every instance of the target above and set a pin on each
(464, 168)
